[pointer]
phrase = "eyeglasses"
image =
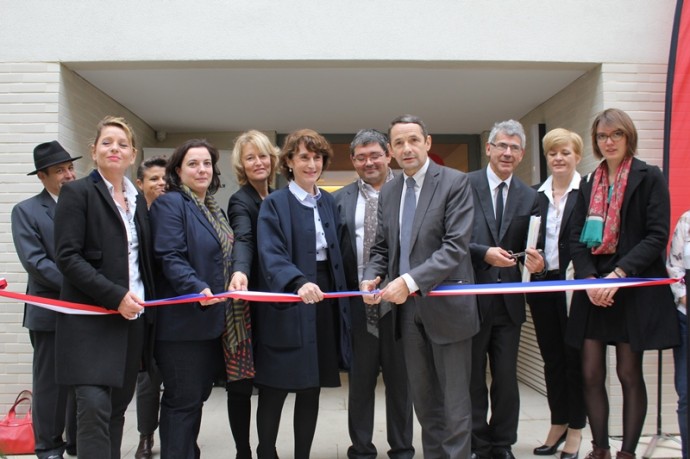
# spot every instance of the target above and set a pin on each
(615, 136)
(503, 147)
(362, 159)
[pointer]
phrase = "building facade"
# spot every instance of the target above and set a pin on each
(57, 63)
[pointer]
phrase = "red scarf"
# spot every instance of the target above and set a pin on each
(602, 225)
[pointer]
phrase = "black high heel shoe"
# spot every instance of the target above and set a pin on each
(574, 455)
(546, 450)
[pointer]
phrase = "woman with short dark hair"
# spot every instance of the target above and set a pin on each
(193, 246)
(300, 347)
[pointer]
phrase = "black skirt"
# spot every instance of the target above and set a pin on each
(327, 330)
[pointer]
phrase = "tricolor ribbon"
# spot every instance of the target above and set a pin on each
(67, 307)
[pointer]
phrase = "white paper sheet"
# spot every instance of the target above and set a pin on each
(532, 235)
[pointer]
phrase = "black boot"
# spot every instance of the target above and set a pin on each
(145, 447)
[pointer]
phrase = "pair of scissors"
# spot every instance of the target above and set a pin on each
(516, 255)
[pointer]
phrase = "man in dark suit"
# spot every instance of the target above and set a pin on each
(373, 334)
(32, 232)
(503, 207)
(422, 241)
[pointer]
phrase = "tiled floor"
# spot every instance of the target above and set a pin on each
(331, 440)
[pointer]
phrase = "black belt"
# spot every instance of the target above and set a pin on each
(553, 274)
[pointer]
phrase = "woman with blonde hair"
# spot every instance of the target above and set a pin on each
(103, 249)
(254, 159)
(562, 364)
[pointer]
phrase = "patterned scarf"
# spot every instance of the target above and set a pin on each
(235, 327)
(602, 225)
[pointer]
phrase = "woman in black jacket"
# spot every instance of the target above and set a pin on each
(562, 363)
(103, 246)
(620, 229)
(254, 159)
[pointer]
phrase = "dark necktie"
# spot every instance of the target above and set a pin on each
(409, 207)
(499, 207)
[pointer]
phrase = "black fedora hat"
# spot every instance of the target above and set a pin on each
(49, 154)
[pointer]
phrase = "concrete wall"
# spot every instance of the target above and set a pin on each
(463, 30)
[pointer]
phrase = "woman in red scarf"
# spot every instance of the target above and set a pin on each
(620, 229)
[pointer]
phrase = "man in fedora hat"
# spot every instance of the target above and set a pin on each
(32, 231)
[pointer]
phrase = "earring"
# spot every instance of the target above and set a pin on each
(290, 170)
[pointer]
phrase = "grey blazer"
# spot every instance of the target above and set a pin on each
(439, 251)
(32, 232)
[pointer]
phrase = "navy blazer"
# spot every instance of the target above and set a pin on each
(644, 233)
(286, 351)
(187, 248)
(33, 235)
(92, 254)
(520, 206)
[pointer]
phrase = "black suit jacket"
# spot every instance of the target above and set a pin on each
(243, 214)
(644, 233)
(92, 253)
(535, 299)
(32, 232)
(346, 202)
(519, 207)
(564, 232)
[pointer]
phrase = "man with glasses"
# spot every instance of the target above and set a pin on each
(373, 333)
(503, 206)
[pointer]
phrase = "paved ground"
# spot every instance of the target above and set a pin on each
(331, 440)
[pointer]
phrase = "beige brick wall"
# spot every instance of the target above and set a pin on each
(28, 116)
(639, 89)
(38, 102)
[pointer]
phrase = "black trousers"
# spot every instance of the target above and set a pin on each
(497, 341)
(562, 363)
(371, 356)
(53, 408)
(148, 403)
(101, 409)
